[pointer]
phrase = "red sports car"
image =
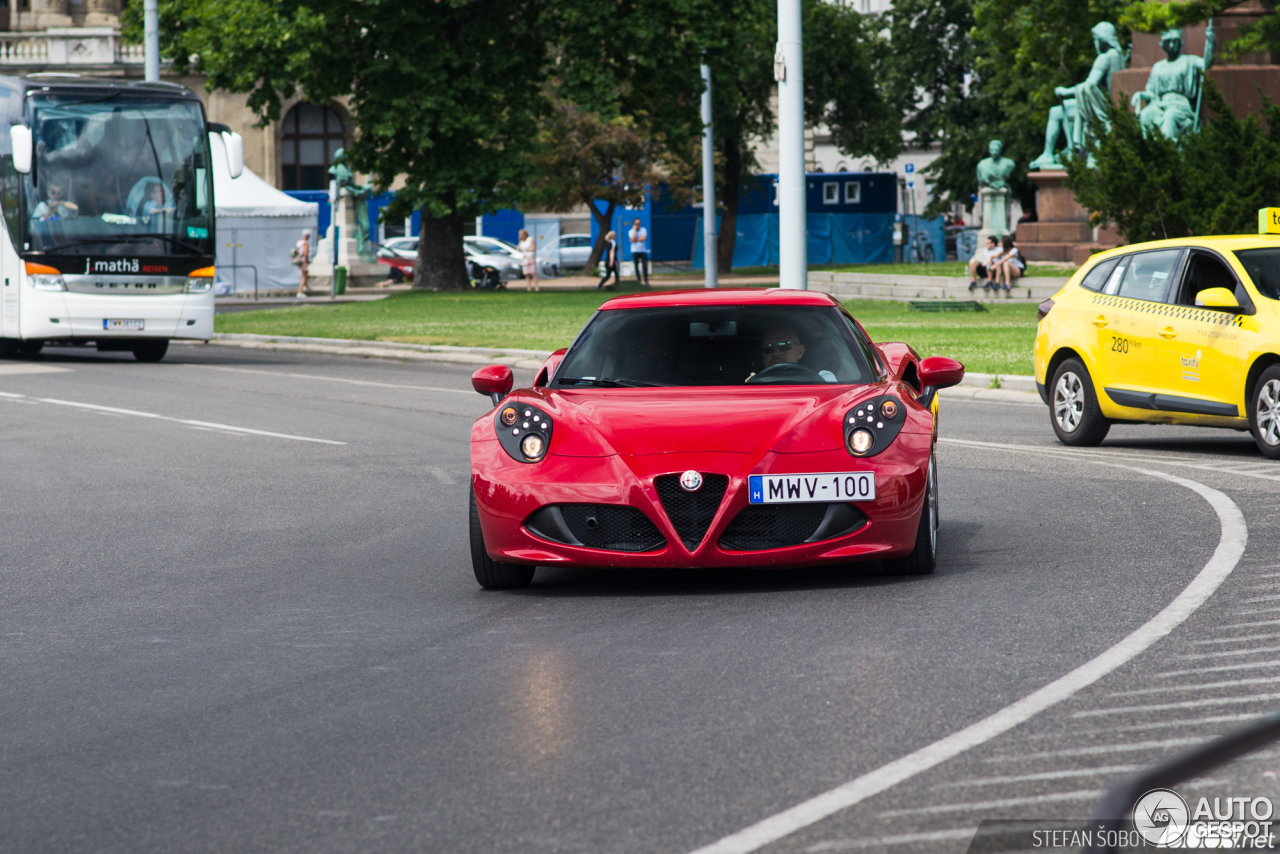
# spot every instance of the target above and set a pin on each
(711, 428)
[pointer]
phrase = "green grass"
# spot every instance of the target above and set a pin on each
(944, 268)
(996, 341)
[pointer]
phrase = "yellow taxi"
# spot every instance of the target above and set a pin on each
(1171, 332)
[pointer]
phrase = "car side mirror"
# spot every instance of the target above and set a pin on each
(493, 380)
(938, 372)
(20, 140)
(1218, 298)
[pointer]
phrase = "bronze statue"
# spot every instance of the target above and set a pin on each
(994, 171)
(1082, 115)
(1171, 101)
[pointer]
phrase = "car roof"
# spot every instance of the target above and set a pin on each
(1229, 242)
(719, 296)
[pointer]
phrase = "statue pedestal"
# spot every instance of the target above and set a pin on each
(995, 215)
(361, 271)
(1063, 233)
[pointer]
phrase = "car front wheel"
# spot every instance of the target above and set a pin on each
(491, 574)
(1073, 406)
(924, 557)
(1264, 413)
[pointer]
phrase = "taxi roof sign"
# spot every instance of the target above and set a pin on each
(1268, 220)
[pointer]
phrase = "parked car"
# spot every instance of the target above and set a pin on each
(574, 251)
(491, 269)
(398, 247)
(495, 246)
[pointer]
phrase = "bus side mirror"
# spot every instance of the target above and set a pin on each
(20, 139)
(234, 143)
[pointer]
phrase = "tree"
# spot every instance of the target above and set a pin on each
(1212, 182)
(1263, 36)
(581, 158)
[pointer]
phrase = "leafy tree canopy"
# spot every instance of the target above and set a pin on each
(1147, 16)
(1213, 183)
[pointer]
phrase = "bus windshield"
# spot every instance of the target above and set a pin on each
(120, 175)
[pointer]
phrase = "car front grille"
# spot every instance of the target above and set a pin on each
(776, 526)
(691, 512)
(611, 527)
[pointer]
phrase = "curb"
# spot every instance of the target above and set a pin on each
(516, 358)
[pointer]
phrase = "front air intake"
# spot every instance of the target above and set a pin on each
(777, 526)
(691, 512)
(611, 527)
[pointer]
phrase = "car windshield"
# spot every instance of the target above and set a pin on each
(121, 175)
(717, 346)
(1263, 266)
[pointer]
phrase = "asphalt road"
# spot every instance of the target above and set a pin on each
(237, 614)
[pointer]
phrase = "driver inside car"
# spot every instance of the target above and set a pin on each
(781, 344)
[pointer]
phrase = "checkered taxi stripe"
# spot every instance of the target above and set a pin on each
(1160, 309)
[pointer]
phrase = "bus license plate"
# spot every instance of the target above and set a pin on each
(108, 323)
(804, 488)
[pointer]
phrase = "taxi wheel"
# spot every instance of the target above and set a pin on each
(1264, 413)
(491, 574)
(1073, 406)
(924, 558)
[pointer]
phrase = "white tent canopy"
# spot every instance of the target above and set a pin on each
(257, 226)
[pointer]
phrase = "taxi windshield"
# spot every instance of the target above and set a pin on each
(1263, 266)
(122, 175)
(717, 346)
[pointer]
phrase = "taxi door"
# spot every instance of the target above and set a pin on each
(1198, 360)
(1123, 315)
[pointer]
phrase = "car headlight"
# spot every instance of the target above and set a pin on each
(45, 278)
(872, 425)
(200, 281)
(524, 431)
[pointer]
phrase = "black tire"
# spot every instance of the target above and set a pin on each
(27, 349)
(924, 557)
(491, 574)
(1073, 406)
(1264, 413)
(150, 351)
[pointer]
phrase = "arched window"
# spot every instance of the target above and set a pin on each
(311, 136)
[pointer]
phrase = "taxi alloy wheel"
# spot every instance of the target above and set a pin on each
(1073, 406)
(1266, 413)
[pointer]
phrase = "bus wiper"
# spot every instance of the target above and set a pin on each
(608, 382)
(126, 238)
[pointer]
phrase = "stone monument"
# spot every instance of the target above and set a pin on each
(993, 192)
(350, 216)
(1082, 115)
(1175, 86)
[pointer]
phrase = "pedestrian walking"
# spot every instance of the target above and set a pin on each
(610, 259)
(529, 263)
(300, 257)
(640, 252)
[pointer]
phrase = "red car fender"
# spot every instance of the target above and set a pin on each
(548, 368)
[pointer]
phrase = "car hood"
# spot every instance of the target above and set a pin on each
(600, 422)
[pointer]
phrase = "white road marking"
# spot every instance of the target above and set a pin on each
(1097, 454)
(1179, 724)
(10, 370)
(900, 839)
(1027, 800)
(1197, 686)
(1095, 750)
(1042, 775)
(1271, 598)
(1245, 639)
(230, 428)
(1185, 704)
(1231, 544)
(1217, 668)
(1245, 612)
(333, 379)
(1247, 626)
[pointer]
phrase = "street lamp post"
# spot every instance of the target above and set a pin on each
(709, 245)
(788, 70)
(151, 41)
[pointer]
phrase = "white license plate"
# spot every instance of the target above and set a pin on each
(108, 323)
(805, 488)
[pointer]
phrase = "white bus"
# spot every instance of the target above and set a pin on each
(108, 211)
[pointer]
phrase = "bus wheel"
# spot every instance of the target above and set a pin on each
(30, 348)
(150, 351)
